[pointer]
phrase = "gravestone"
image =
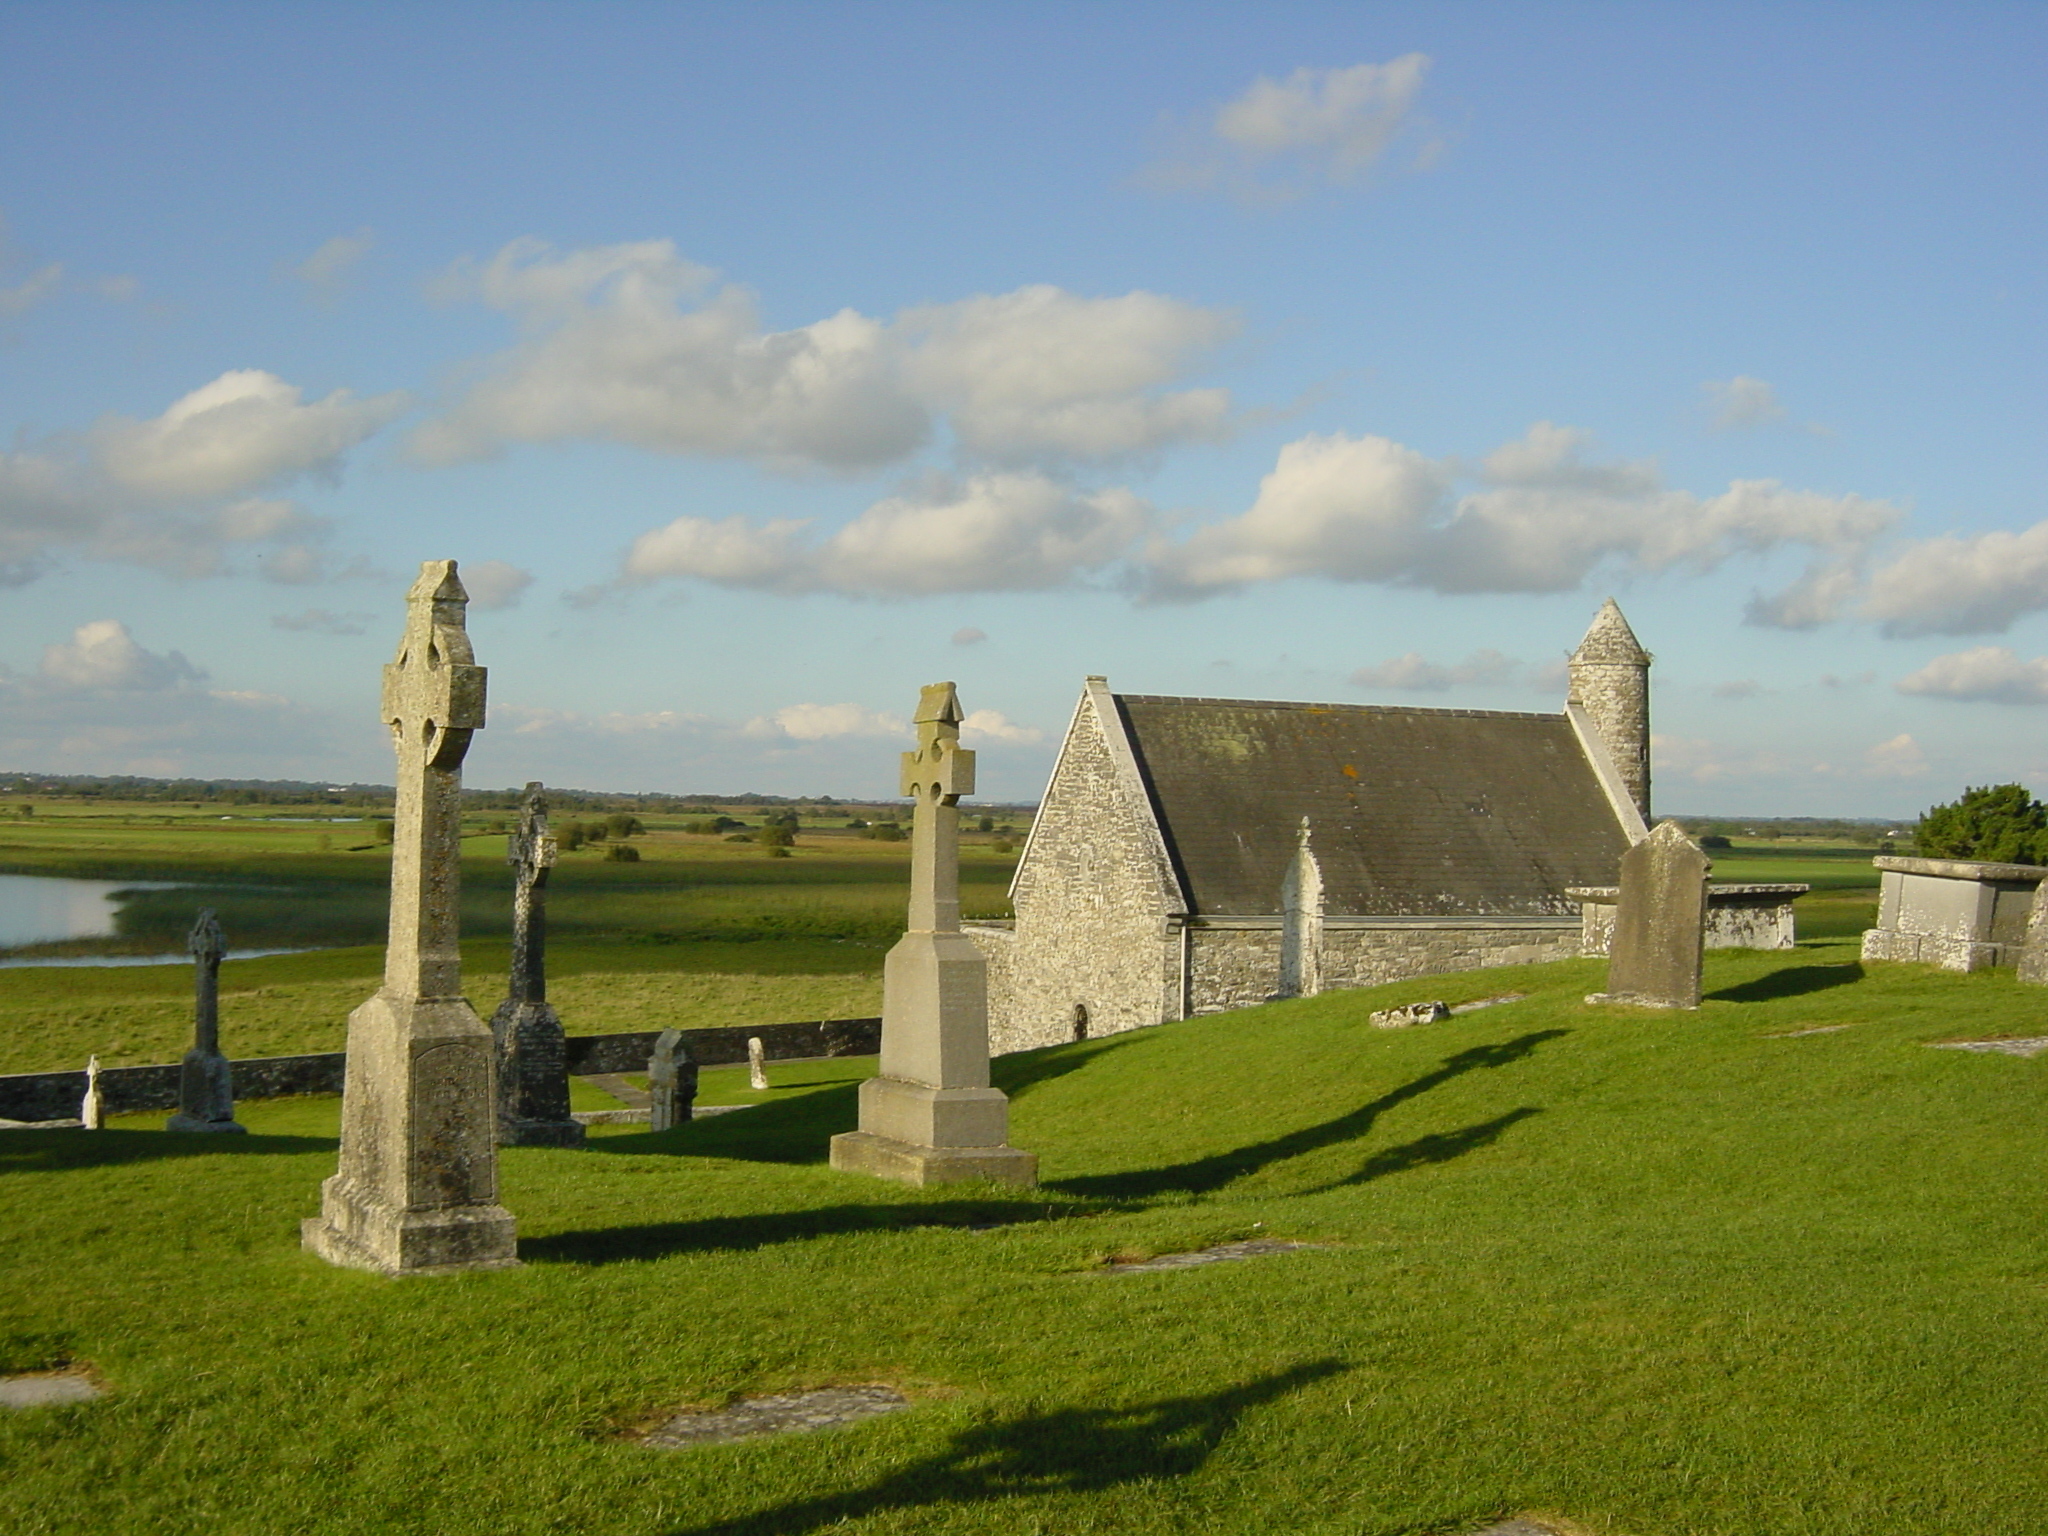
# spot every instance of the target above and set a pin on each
(1660, 923)
(533, 1073)
(671, 1081)
(931, 1117)
(2032, 966)
(206, 1090)
(92, 1109)
(417, 1191)
(757, 1064)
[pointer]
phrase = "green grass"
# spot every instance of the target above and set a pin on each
(1663, 1275)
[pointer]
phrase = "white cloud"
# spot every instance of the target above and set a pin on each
(321, 621)
(969, 636)
(1412, 673)
(327, 271)
(1740, 688)
(1315, 126)
(174, 491)
(495, 583)
(1962, 585)
(1368, 509)
(986, 725)
(103, 657)
(991, 533)
(622, 346)
(825, 722)
(1899, 758)
(1741, 402)
(32, 290)
(1699, 761)
(1042, 373)
(1988, 674)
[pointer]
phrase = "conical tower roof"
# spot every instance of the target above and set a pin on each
(1610, 639)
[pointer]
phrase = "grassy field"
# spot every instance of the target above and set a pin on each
(699, 932)
(1662, 1275)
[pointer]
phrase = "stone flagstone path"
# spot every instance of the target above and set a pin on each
(47, 1389)
(780, 1413)
(1258, 1247)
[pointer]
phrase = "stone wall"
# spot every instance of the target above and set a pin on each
(1091, 932)
(34, 1096)
(1234, 963)
(1959, 914)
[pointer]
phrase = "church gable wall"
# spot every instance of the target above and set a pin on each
(1091, 929)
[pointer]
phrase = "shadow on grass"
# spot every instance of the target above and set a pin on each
(1067, 1451)
(800, 1129)
(622, 1245)
(41, 1151)
(1440, 1147)
(1792, 981)
(1204, 1175)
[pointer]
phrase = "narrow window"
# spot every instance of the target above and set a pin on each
(1080, 1021)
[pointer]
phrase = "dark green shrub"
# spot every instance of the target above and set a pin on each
(1999, 824)
(622, 853)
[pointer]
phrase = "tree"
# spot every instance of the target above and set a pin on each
(1998, 824)
(622, 853)
(622, 825)
(776, 838)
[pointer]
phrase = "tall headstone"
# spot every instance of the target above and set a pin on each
(931, 1117)
(671, 1081)
(206, 1090)
(417, 1192)
(1660, 923)
(92, 1109)
(757, 1064)
(533, 1072)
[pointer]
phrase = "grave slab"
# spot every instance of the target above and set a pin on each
(778, 1413)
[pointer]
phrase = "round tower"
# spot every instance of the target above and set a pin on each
(1610, 674)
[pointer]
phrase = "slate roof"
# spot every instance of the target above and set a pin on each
(1412, 812)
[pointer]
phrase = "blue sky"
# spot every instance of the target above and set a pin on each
(761, 363)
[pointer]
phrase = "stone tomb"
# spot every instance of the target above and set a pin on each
(1754, 916)
(206, 1090)
(931, 1117)
(417, 1191)
(1959, 914)
(1660, 923)
(533, 1073)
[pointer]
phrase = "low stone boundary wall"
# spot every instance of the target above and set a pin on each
(33, 1096)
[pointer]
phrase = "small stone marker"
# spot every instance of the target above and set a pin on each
(48, 1389)
(777, 1414)
(2031, 1046)
(417, 1191)
(671, 1081)
(92, 1109)
(1412, 1013)
(533, 1071)
(757, 1064)
(1660, 923)
(930, 1116)
(206, 1088)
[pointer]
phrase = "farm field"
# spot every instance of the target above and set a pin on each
(1765, 1268)
(697, 932)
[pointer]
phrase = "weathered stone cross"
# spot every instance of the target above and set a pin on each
(930, 1116)
(531, 853)
(533, 1076)
(206, 1094)
(417, 1189)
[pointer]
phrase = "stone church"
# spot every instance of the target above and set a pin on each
(1193, 855)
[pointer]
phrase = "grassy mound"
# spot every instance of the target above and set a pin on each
(1656, 1274)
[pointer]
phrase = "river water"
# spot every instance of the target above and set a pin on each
(41, 909)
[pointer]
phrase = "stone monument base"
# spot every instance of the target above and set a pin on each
(542, 1133)
(907, 1163)
(1638, 1000)
(409, 1242)
(184, 1122)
